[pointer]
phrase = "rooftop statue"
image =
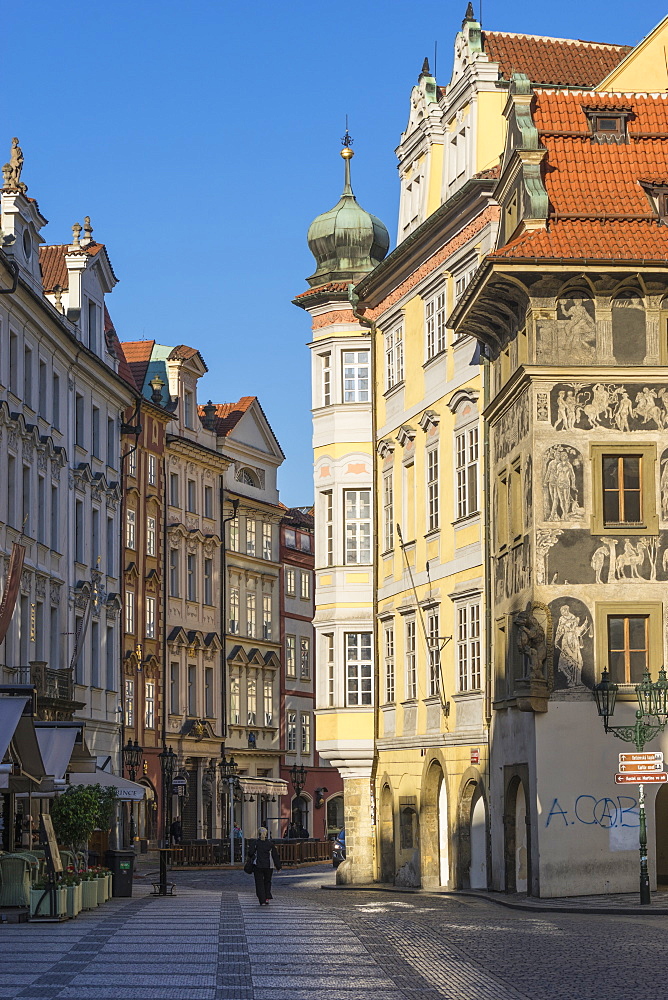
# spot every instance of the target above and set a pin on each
(11, 171)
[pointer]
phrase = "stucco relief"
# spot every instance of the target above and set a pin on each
(570, 339)
(563, 485)
(573, 643)
(511, 428)
(584, 406)
(664, 485)
(583, 558)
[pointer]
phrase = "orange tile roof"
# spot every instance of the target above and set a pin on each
(138, 355)
(329, 286)
(228, 415)
(184, 353)
(597, 206)
(552, 61)
(54, 268)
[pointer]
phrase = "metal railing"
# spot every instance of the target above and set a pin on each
(56, 685)
(291, 852)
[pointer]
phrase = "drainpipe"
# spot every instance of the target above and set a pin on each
(354, 300)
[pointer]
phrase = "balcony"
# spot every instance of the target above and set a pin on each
(55, 689)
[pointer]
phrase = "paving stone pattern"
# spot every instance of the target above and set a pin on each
(212, 941)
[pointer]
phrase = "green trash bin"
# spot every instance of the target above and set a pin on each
(121, 864)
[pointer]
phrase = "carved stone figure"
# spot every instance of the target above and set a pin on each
(577, 330)
(559, 481)
(633, 557)
(531, 642)
(11, 171)
(598, 561)
(545, 539)
(568, 640)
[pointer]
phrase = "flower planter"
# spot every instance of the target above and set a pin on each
(89, 898)
(40, 903)
(74, 898)
(101, 889)
(109, 877)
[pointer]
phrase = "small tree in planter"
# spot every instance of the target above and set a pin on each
(78, 812)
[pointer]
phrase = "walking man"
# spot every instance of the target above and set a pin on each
(265, 857)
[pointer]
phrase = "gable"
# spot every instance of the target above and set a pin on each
(253, 431)
(644, 68)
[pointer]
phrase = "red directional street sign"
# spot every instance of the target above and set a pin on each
(649, 755)
(638, 778)
(641, 765)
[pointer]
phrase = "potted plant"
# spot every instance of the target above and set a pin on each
(89, 894)
(79, 811)
(72, 884)
(106, 876)
(40, 900)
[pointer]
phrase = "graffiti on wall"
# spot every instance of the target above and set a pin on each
(588, 810)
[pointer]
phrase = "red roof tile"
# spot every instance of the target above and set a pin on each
(138, 356)
(556, 62)
(184, 353)
(54, 268)
(228, 415)
(124, 369)
(552, 61)
(588, 240)
(329, 286)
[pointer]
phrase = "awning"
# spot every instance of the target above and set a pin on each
(10, 713)
(56, 745)
(263, 786)
(126, 790)
(20, 729)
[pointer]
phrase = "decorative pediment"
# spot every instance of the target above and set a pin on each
(406, 435)
(198, 729)
(153, 577)
(212, 641)
(131, 571)
(255, 658)
(178, 636)
(385, 448)
(237, 655)
(429, 419)
(114, 602)
(462, 396)
(271, 659)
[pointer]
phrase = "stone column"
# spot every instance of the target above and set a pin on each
(359, 815)
(604, 351)
(653, 330)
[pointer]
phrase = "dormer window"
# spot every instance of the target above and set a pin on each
(608, 124)
(188, 408)
(657, 193)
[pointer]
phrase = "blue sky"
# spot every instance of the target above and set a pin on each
(203, 137)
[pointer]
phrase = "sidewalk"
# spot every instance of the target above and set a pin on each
(619, 904)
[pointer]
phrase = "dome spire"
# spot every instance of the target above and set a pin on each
(347, 154)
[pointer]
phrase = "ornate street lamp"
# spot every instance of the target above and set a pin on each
(298, 778)
(651, 719)
(167, 765)
(228, 772)
(132, 754)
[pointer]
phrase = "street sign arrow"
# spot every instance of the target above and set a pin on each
(650, 755)
(638, 778)
(641, 765)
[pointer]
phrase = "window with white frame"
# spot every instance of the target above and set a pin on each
(356, 377)
(235, 711)
(250, 536)
(234, 610)
(357, 504)
(234, 534)
(462, 281)
(129, 702)
(250, 614)
(291, 731)
(268, 702)
(188, 408)
(208, 581)
(432, 489)
(132, 462)
(266, 616)
(251, 703)
(150, 536)
(434, 322)
(149, 705)
(394, 357)
(304, 657)
(191, 496)
(131, 529)
(266, 540)
(329, 528)
(290, 582)
(326, 369)
(208, 693)
(173, 572)
(433, 680)
(174, 688)
(388, 646)
(358, 668)
(466, 464)
(174, 489)
(306, 732)
(329, 663)
(152, 473)
(305, 592)
(468, 646)
(150, 618)
(208, 501)
(410, 659)
(388, 511)
(457, 159)
(191, 577)
(291, 655)
(129, 611)
(192, 690)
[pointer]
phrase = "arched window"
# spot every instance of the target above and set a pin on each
(247, 477)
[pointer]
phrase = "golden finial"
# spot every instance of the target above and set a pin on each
(347, 141)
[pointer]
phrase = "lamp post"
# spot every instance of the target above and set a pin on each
(298, 778)
(132, 753)
(651, 719)
(167, 764)
(228, 773)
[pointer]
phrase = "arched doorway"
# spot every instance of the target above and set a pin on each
(478, 868)
(435, 854)
(300, 814)
(517, 846)
(661, 821)
(334, 815)
(387, 864)
(521, 849)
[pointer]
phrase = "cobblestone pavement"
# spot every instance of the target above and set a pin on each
(212, 941)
